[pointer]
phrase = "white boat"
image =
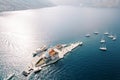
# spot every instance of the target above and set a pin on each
(114, 38)
(37, 69)
(103, 48)
(87, 35)
(102, 40)
(96, 32)
(106, 33)
(39, 50)
(111, 36)
(10, 76)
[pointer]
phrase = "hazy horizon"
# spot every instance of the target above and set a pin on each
(13, 5)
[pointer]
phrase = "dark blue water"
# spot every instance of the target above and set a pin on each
(27, 30)
(86, 63)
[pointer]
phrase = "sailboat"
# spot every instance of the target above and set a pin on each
(96, 32)
(103, 48)
(114, 38)
(87, 35)
(102, 40)
(110, 36)
(106, 33)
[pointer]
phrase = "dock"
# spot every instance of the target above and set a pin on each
(55, 55)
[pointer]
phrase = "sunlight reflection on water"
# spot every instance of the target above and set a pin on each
(24, 31)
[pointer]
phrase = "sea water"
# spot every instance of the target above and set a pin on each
(21, 32)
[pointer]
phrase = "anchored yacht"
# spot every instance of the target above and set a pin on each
(87, 35)
(114, 38)
(103, 48)
(110, 36)
(102, 40)
(96, 32)
(39, 50)
(106, 33)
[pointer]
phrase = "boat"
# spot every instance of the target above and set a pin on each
(111, 36)
(52, 55)
(102, 40)
(38, 69)
(114, 38)
(106, 33)
(39, 50)
(96, 32)
(10, 76)
(43, 48)
(103, 48)
(87, 35)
